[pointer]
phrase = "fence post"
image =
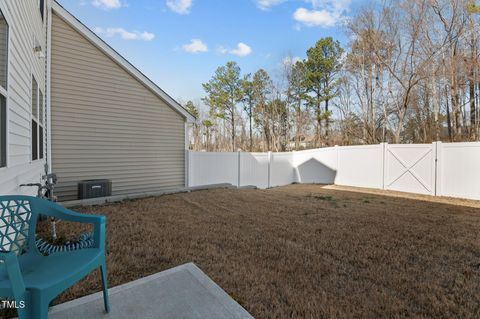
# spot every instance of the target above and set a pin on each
(239, 163)
(270, 156)
(188, 168)
(337, 152)
(438, 163)
(384, 166)
(294, 168)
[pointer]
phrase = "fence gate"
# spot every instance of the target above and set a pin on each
(410, 168)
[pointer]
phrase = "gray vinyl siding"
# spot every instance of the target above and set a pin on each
(107, 124)
(25, 25)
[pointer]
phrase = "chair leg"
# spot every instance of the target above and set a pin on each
(24, 305)
(23, 313)
(38, 307)
(103, 272)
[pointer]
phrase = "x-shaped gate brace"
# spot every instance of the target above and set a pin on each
(409, 169)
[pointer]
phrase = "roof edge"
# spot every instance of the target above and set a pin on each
(124, 63)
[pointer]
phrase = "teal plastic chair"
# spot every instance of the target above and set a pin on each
(28, 276)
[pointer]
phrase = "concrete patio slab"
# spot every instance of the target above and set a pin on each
(181, 292)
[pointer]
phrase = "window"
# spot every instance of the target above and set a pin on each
(3, 89)
(38, 118)
(3, 51)
(3, 131)
(34, 140)
(34, 111)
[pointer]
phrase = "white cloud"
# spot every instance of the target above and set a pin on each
(311, 18)
(267, 4)
(108, 4)
(195, 46)
(124, 34)
(180, 6)
(325, 13)
(241, 50)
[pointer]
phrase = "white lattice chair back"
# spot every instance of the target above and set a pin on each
(15, 217)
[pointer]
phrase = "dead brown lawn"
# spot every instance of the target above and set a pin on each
(305, 251)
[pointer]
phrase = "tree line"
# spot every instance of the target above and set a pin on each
(408, 75)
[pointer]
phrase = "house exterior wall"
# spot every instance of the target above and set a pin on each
(26, 28)
(107, 124)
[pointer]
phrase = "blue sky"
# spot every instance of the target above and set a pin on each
(179, 43)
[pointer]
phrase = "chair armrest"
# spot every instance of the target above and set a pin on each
(8, 257)
(60, 212)
(10, 261)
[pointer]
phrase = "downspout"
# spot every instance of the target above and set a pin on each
(49, 84)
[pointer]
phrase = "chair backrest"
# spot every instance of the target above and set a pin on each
(17, 223)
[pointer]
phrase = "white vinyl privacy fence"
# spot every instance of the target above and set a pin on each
(442, 169)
